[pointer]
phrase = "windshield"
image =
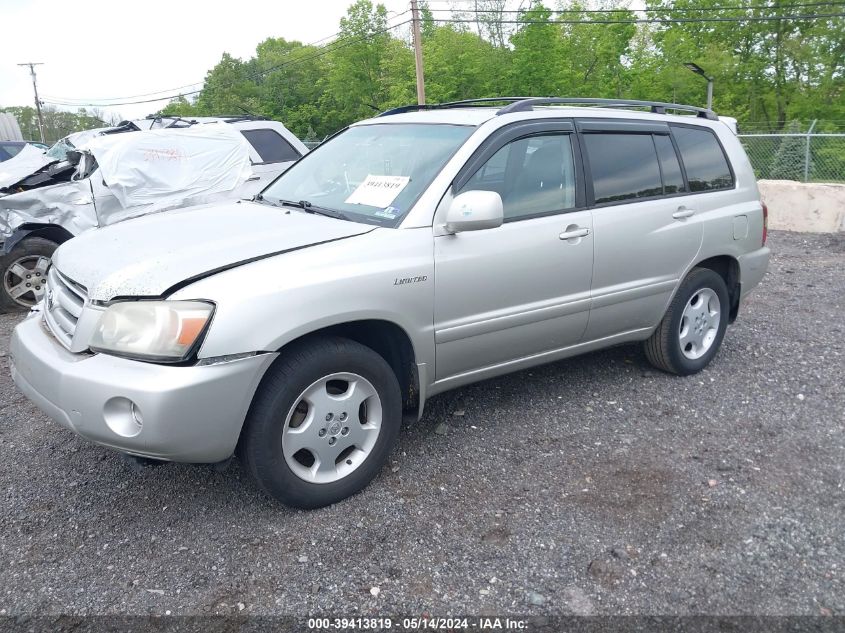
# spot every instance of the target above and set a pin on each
(370, 173)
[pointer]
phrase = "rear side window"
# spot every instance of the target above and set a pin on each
(623, 166)
(704, 161)
(270, 145)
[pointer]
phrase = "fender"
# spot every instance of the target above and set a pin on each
(52, 232)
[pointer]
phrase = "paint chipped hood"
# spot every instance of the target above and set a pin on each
(148, 256)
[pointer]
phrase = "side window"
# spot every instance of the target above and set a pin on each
(704, 161)
(673, 179)
(270, 145)
(534, 175)
(624, 166)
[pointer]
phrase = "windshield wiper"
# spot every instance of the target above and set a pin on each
(310, 208)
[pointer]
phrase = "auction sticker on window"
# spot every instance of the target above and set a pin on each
(378, 191)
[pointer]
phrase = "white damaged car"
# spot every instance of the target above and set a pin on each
(98, 177)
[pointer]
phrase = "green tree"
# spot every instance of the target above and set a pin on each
(58, 123)
(359, 68)
(461, 65)
(537, 53)
(764, 70)
(788, 163)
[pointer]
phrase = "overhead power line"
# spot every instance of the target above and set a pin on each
(749, 7)
(552, 22)
(340, 42)
(143, 94)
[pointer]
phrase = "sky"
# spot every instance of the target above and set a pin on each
(95, 49)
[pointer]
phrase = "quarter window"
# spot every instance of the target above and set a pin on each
(270, 145)
(704, 161)
(533, 175)
(623, 166)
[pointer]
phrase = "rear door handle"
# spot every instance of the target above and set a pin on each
(574, 233)
(682, 213)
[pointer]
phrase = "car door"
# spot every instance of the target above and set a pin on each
(518, 291)
(646, 233)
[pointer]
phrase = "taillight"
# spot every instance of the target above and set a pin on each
(765, 222)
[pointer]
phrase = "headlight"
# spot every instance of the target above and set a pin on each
(152, 330)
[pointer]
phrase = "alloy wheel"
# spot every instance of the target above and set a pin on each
(26, 278)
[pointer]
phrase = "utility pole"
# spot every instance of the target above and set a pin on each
(32, 66)
(415, 15)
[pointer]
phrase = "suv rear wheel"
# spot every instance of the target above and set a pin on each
(24, 272)
(693, 327)
(322, 423)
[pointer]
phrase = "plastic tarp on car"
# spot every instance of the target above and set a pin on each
(27, 161)
(164, 166)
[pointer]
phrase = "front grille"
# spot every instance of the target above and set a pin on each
(63, 306)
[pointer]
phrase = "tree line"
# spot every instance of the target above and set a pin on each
(767, 71)
(58, 123)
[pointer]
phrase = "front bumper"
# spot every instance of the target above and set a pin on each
(187, 414)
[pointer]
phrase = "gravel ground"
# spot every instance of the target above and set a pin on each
(594, 485)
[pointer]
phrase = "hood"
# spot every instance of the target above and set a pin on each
(148, 256)
(25, 163)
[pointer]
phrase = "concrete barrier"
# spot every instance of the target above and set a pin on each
(809, 207)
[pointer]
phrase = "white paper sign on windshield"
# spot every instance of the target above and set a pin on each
(378, 191)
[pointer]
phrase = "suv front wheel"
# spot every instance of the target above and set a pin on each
(322, 423)
(693, 327)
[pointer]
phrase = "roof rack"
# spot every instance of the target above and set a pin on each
(526, 104)
(657, 107)
(234, 118)
(486, 101)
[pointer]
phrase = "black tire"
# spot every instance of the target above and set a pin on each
(27, 248)
(663, 348)
(260, 446)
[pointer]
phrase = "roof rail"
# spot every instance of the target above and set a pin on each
(234, 118)
(485, 101)
(657, 107)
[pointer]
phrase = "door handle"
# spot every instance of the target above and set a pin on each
(574, 233)
(252, 178)
(682, 213)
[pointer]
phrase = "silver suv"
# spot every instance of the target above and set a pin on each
(416, 252)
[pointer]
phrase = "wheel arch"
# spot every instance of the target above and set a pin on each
(727, 267)
(52, 232)
(388, 340)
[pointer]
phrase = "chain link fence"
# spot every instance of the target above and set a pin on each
(796, 154)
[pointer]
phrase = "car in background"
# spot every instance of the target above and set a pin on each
(46, 199)
(10, 149)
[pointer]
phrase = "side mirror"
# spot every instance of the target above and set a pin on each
(474, 211)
